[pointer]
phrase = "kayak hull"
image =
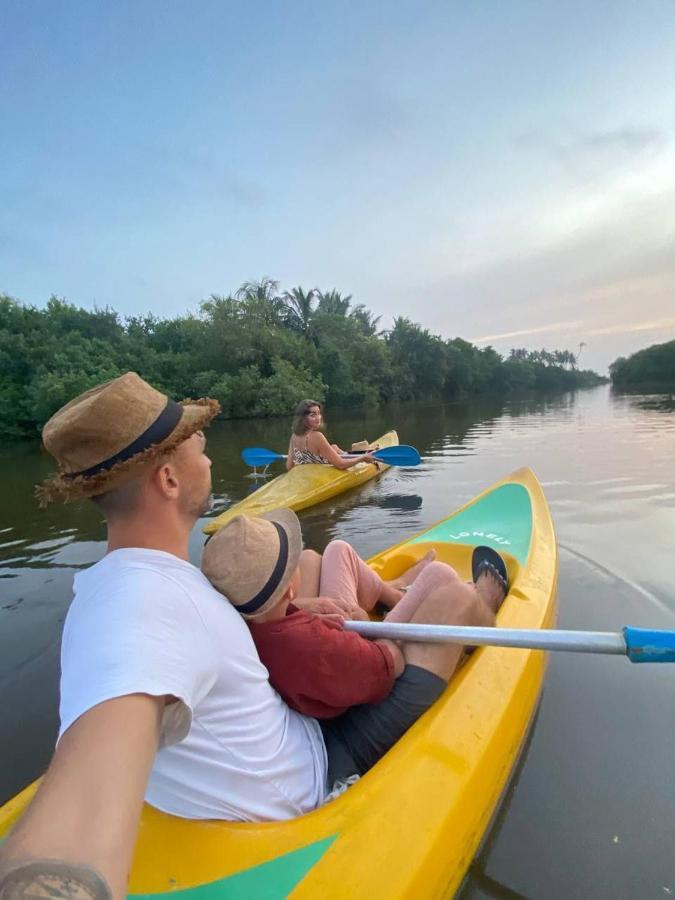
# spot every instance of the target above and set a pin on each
(411, 826)
(304, 486)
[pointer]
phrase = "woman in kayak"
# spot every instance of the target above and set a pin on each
(308, 443)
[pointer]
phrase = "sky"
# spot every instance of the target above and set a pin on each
(501, 172)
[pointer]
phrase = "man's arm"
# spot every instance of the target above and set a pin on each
(88, 806)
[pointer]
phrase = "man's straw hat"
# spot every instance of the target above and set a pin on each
(251, 560)
(102, 438)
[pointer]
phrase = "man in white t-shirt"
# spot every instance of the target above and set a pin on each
(152, 656)
(162, 692)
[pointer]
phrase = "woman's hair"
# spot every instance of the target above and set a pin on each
(301, 410)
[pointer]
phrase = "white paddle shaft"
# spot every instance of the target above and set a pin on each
(532, 638)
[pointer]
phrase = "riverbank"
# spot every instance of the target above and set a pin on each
(258, 353)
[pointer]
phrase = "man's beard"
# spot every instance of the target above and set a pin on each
(196, 507)
(206, 505)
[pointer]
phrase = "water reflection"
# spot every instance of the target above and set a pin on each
(400, 502)
(657, 402)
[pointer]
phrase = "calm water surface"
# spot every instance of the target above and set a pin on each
(591, 811)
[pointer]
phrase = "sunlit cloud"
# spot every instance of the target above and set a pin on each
(630, 327)
(557, 327)
(526, 332)
(630, 200)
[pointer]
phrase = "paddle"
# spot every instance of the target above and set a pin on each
(400, 455)
(638, 644)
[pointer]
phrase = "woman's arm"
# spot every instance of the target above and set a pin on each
(289, 459)
(319, 444)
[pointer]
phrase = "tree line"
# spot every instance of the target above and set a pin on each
(258, 351)
(651, 368)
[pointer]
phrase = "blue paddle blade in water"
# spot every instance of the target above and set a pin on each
(259, 456)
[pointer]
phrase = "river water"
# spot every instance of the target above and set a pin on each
(591, 809)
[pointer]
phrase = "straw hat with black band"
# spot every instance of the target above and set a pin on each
(251, 560)
(103, 437)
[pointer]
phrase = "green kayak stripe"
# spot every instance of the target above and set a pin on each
(502, 519)
(272, 880)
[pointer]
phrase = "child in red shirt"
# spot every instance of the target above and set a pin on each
(317, 667)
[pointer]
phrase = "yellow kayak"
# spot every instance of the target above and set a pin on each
(304, 486)
(411, 826)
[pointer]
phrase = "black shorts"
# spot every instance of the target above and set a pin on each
(358, 738)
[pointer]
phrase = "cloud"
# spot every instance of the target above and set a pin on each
(598, 155)
(557, 327)
(631, 327)
(628, 140)
(526, 332)
(365, 116)
(244, 194)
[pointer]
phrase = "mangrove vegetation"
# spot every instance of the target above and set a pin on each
(651, 369)
(258, 351)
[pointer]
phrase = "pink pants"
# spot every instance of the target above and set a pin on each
(345, 576)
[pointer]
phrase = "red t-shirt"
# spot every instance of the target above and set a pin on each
(320, 669)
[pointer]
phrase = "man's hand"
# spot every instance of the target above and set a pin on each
(338, 610)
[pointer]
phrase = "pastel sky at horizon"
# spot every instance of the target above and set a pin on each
(503, 173)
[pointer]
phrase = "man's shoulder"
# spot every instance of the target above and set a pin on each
(137, 565)
(134, 579)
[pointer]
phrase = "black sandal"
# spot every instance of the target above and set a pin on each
(485, 559)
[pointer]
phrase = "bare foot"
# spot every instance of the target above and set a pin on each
(407, 578)
(490, 590)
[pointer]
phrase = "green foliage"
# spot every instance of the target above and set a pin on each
(419, 360)
(280, 392)
(257, 351)
(652, 368)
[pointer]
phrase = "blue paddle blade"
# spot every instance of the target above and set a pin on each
(647, 645)
(400, 455)
(259, 456)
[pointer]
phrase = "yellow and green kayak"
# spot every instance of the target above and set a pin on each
(411, 826)
(304, 486)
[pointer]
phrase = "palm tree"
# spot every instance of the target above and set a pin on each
(298, 309)
(265, 289)
(333, 302)
(365, 317)
(261, 298)
(576, 358)
(518, 353)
